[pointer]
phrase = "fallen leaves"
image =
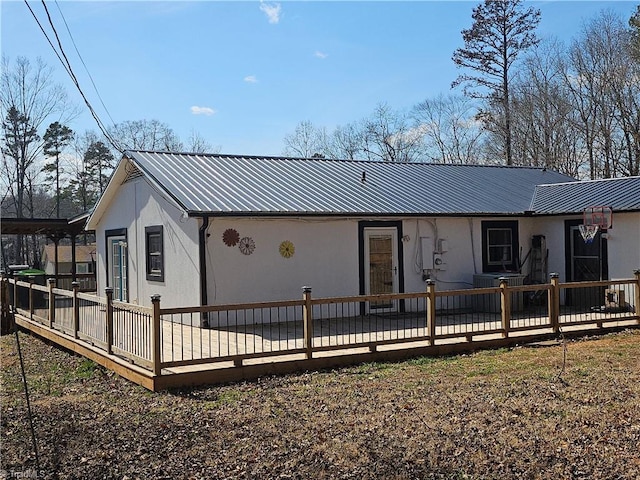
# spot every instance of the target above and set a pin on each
(495, 415)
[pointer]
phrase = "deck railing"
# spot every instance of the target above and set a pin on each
(158, 338)
(115, 327)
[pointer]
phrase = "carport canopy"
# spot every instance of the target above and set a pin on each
(54, 228)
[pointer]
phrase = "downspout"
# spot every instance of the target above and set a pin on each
(202, 244)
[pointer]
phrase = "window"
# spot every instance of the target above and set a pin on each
(155, 255)
(499, 246)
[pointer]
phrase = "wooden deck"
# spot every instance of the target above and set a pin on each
(149, 347)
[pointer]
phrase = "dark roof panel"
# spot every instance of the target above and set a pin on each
(219, 184)
(621, 194)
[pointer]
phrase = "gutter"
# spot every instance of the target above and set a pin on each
(202, 246)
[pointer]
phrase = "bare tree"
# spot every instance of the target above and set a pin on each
(544, 120)
(306, 141)
(390, 136)
(346, 142)
(451, 132)
(145, 135)
(634, 25)
(501, 31)
(30, 97)
(197, 144)
(603, 82)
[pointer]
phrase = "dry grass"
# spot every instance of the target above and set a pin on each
(493, 414)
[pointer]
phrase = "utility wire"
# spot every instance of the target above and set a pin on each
(75, 79)
(84, 64)
(67, 66)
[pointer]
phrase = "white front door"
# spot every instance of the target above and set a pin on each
(118, 267)
(381, 265)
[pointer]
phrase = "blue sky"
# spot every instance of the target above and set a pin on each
(244, 74)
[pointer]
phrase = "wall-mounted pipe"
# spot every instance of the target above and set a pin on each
(202, 244)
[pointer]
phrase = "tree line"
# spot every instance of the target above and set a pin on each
(520, 100)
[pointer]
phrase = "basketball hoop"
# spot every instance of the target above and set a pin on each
(588, 232)
(600, 216)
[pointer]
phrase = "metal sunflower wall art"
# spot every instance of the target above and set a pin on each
(287, 249)
(247, 245)
(230, 237)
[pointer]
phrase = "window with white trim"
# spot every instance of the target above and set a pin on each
(500, 246)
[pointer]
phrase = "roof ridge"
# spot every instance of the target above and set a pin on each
(337, 160)
(594, 180)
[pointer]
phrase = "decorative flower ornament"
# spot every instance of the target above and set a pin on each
(247, 245)
(230, 237)
(287, 249)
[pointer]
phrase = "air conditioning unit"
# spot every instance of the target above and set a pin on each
(491, 302)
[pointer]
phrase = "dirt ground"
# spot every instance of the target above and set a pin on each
(561, 411)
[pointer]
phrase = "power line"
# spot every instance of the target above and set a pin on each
(67, 66)
(77, 84)
(84, 64)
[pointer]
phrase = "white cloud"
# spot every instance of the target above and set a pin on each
(195, 110)
(251, 79)
(320, 54)
(271, 10)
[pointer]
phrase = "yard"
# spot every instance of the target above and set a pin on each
(514, 413)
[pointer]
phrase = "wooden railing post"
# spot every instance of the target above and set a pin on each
(637, 296)
(308, 321)
(554, 302)
(431, 311)
(76, 308)
(5, 317)
(109, 320)
(15, 294)
(31, 299)
(155, 331)
(505, 306)
(52, 301)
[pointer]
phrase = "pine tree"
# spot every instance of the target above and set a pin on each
(501, 30)
(56, 138)
(18, 135)
(98, 159)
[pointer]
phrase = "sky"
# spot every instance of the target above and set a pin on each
(244, 74)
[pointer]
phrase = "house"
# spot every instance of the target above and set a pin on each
(216, 229)
(85, 259)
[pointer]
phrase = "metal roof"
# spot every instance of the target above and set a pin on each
(621, 194)
(231, 184)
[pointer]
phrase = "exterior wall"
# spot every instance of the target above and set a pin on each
(623, 243)
(136, 206)
(326, 252)
(327, 257)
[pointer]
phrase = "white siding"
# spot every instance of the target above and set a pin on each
(623, 245)
(136, 206)
(325, 258)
